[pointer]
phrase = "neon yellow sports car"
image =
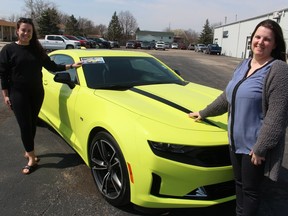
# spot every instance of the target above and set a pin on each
(126, 114)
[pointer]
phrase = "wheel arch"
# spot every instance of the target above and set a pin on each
(92, 134)
(69, 46)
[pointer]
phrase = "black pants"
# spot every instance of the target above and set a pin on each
(26, 104)
(248, 178)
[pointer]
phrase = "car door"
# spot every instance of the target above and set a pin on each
(59, 101)
(50, 42)
(59, 42)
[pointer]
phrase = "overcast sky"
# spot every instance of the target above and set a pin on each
(158, 15)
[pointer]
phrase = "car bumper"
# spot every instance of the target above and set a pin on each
(164, 183)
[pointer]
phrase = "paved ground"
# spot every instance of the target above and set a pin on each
(63, 184)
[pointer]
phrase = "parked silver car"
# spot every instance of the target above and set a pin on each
(200, 47)
(130, 44)
(160, 45)
(174, 46)
(191, 46)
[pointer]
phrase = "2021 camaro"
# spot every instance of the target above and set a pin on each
(126, 114)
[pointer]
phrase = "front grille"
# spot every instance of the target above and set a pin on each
(208, 192)
(215, 191)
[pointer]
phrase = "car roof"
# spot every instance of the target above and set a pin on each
(100, 52)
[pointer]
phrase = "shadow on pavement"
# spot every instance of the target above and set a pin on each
(65, 160)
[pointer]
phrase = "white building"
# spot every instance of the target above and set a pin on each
(234, 38)
(154, 36)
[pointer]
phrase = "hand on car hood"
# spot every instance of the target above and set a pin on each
(168, 104)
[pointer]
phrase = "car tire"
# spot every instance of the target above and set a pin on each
(109, 169)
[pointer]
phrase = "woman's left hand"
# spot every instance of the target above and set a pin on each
(255, 159)
(77, 64)
(195, 115)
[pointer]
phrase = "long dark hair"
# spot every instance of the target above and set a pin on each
(280, 50)
(34, 43)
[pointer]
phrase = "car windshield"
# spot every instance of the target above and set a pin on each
(126, 72)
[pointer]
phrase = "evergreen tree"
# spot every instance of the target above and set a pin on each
(206, 36)
(49, 22)
(114, 28)
(72, 26)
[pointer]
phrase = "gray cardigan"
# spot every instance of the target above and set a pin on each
(271, 139)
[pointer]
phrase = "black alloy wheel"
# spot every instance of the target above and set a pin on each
(109, 169)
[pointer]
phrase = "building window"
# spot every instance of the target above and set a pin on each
(225, 34)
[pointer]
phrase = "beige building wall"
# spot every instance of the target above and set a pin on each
(7, 30)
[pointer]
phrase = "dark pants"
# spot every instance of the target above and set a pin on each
(248, 178)
(26, 104)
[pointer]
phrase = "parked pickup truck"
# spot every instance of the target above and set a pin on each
(213, 49)
(56, 42)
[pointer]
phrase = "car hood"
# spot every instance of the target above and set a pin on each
(168, 104)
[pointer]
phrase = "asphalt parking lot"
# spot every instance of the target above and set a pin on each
(62, 184)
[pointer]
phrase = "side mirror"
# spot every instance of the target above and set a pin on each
(64, 77)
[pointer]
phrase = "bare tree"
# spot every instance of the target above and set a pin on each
(186, 36)
(86, 26)
(63, 17)
(101, 30)
(192, 36)
(13, 18)
(34, 8)
(128, 23)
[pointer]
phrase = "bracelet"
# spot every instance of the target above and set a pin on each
(71, 66)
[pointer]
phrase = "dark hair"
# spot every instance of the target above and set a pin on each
(34, 43)
(280, 50)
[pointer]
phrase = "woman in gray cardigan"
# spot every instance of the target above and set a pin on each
(256, 99)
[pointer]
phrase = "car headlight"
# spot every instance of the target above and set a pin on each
(167, 147)
(205, 156)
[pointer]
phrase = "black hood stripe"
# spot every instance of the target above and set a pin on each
(169, 103)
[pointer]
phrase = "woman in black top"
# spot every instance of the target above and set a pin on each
(21, 79)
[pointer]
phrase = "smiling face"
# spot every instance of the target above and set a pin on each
(263, 43)
(24, 32)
